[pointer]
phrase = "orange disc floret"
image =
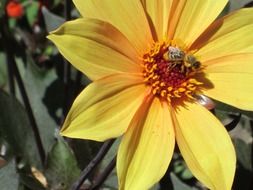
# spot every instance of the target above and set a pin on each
(170, 71)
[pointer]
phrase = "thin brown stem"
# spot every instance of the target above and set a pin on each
(11, 81)
(67, 68)
(103, 176)
(92, 165)
(9, 42)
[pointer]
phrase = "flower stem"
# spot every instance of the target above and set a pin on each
(10, 76)
(102, 177)
(67, 67)
(92, 165)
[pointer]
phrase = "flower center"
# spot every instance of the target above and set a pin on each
(170, 71)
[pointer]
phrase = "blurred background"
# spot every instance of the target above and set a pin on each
(37, 87)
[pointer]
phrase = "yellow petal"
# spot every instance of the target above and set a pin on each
(175, 14)
(158, 12)
(96, 48)
(228, 35)
(205, 146)
(195, 17)
(231, 77)
(128, 16)
(237, 63)
(235, 89)
(147, 147)
(105, 108)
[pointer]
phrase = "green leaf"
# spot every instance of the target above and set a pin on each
(56, 2)
(180, 169)
(83, 150)
(15, 128)
(178, 166)
(243, 178)
(186, 174)
(242, 139)
(236, 4)
(32, 12)
(36, 81)
(177, 184)
(3, 70)
(231, 110)
(244, 152)
(52, 21)
(9, 179)
(12, 23)
(61, 170)
(243, 131)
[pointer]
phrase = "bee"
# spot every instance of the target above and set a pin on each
(174, 54)
(177, 58)
(190, 64)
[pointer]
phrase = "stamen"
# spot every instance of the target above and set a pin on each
(170, 71)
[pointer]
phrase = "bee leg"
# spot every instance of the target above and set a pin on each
(182, 69)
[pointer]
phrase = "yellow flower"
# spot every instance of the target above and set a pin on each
(149, 60)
